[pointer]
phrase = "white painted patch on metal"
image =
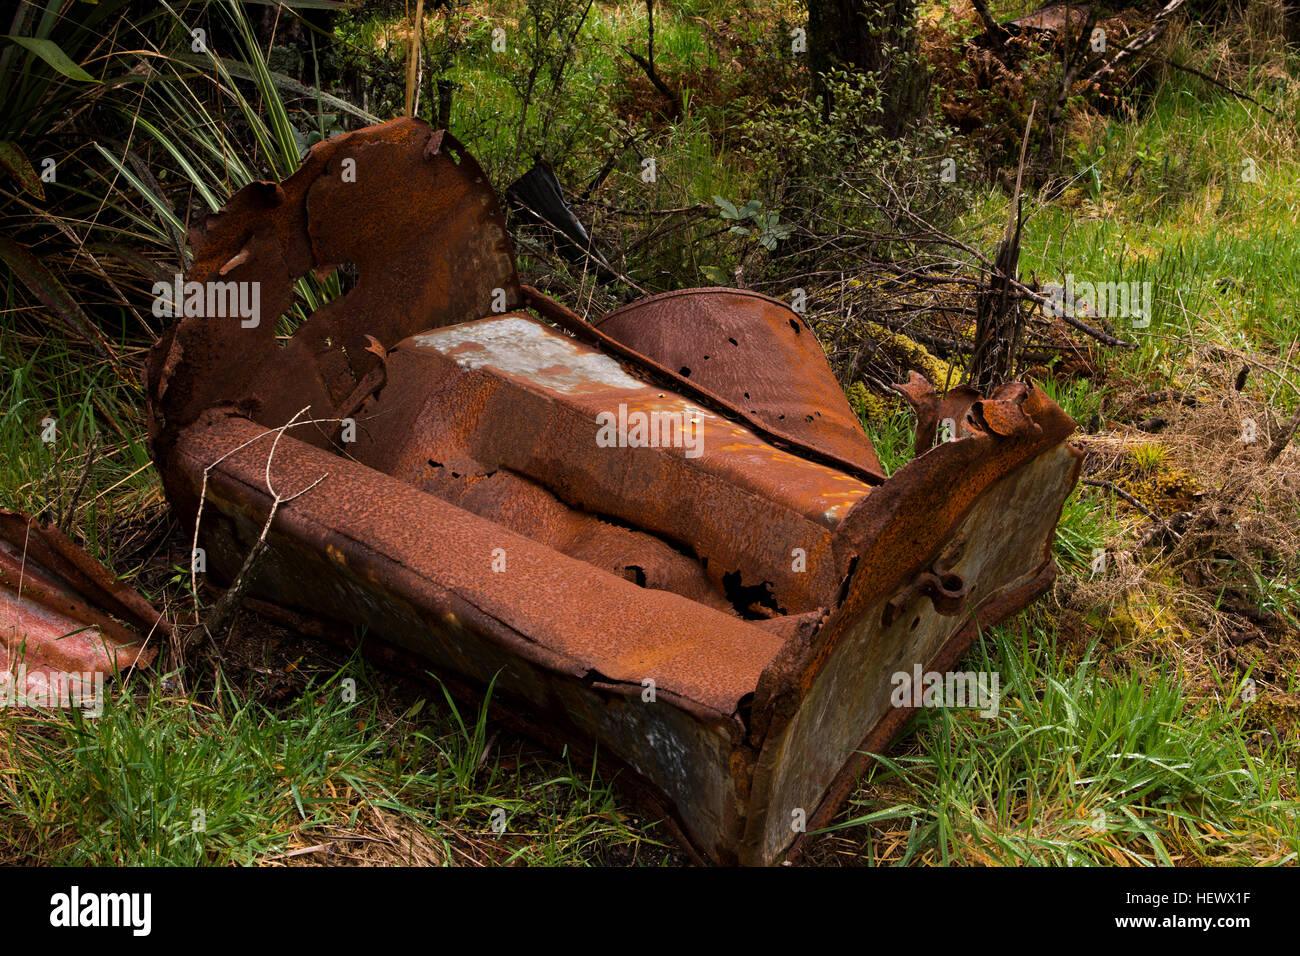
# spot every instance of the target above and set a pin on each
(523, 347)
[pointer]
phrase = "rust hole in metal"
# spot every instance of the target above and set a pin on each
(751, 601)
(953, 583)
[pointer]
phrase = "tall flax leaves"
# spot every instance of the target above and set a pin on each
(45, 83)
(185, 114)
(151, 122)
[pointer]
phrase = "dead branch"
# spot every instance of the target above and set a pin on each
(999, 323)
(648, 69)
(65, 524)
(1120, 492)
(1136, 45)
(647, 63)
(223, 612)
(203, 489)
(996, 31)
(1209, 79)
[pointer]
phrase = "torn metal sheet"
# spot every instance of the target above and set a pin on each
(663, 538)
(438, 240)
(66, 623)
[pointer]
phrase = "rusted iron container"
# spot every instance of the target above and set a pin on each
(662, 537)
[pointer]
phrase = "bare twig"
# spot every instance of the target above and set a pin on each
(203, 489)
(1120, 492)
(65, 523)
(224, 610)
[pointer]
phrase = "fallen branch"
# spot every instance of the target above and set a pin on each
(1120, 492)
(1162, 527)
(1104, 337)
(1170, 395)
(1136, 45)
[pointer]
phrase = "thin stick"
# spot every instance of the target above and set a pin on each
(203, 489)
(413, 59)
(66, 524)
(224, 611)
(1112, 487)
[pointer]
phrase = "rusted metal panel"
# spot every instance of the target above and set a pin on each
(439, 558)
(439, 241)
(64, 617)
(537, 404)
(802, 759)
(717, 611)
(656, 373)
(754, 351)
(1053, 18)
(559, 638)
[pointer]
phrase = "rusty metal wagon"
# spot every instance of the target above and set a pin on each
(662, 537)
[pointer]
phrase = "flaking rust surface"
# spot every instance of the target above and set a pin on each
(63, 613)
(761, 584)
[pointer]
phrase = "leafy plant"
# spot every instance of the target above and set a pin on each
(753, 221)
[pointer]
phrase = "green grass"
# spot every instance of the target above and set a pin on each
(1079, 398)
(89, 405)
(1159, 198)
(1079, 767)
(893, 438)
(161, 779)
